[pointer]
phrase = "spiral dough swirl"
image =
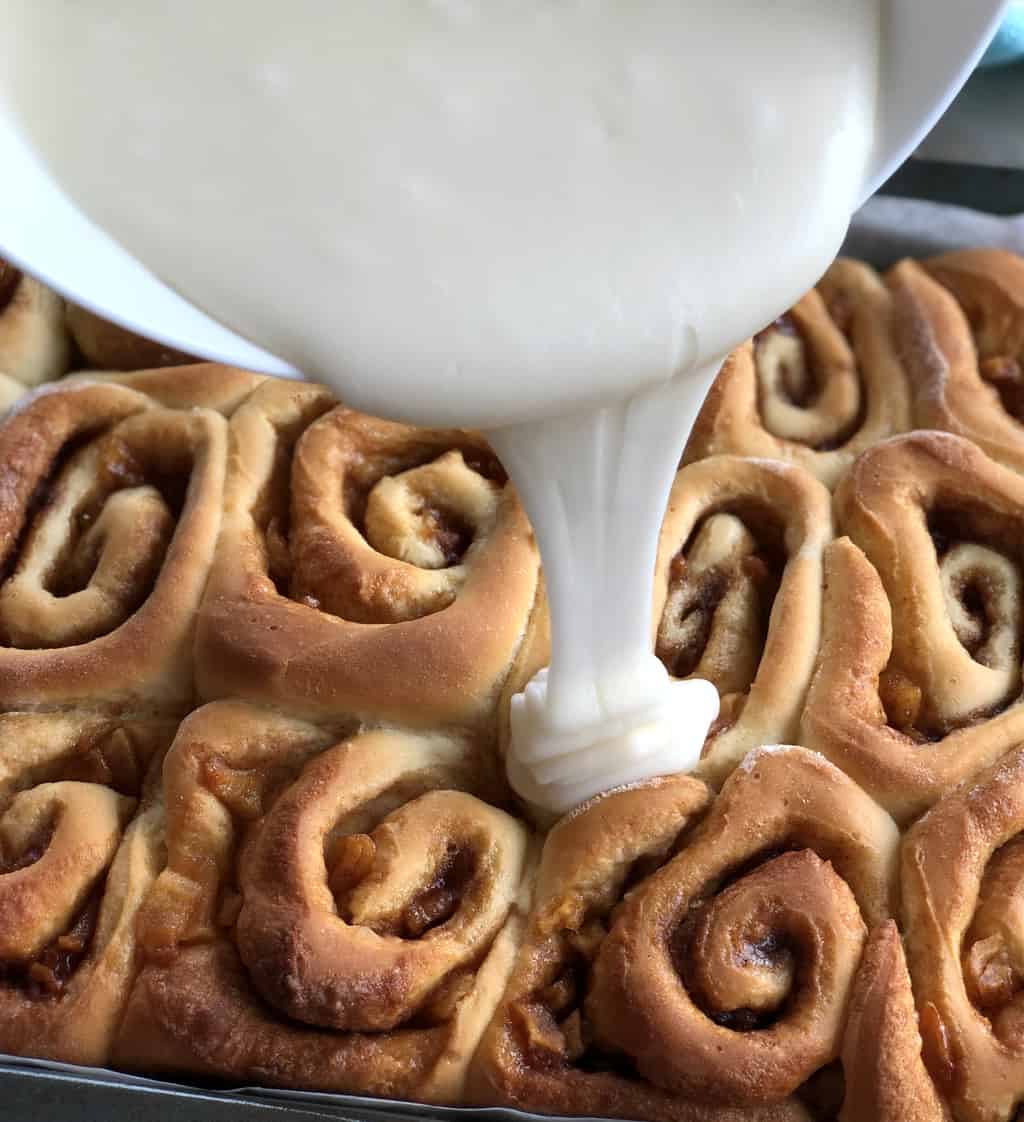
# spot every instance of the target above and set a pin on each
(726, 975)
(921, 687)
(366, 568)
(346, 905)
(963, 899)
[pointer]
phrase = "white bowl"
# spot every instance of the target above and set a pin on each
(932, 47)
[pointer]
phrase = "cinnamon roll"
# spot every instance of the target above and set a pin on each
(109, 512)
(672, 971)
(963, 873)
(365, 567)
(34, 345)
(207, 385)
(961, 326)
(102, 345)
(80, 845)
(886, 1079)
(338, 912)
(11, 390)
(918, 685)
(818, 386)
(738, 595)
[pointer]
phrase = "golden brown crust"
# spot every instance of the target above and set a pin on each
(34, 343)
(817, 387)
(103, 345)
(530, 1055)
(962, 883)
(78, 852)
(364, 567)
(738, 595)
(110, 514)
(961, 333)
(207, 385)
(763, 942)
(182, 1018)
(346, 907)
(338, 913)
(919, 687)
(886, 1080)
(597, 1018)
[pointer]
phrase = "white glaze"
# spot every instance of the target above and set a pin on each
(487, 213)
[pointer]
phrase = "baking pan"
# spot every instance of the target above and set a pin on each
(888, 228)
(41, 1091)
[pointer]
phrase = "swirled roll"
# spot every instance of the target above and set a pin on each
(726, 975)
(673, 971)
(338, 912)
(365, 567)
(918, 685)
(34, 344)
(738, 595)
(207, 385)
(963, 903)
(961, 328)
(80, 844)
(886, 1079)
(102, 345)
(818, 386)
(110, 507)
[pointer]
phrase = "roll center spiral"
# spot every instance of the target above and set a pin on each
(430, 515)
(362, 930)
(716, 614)
(57, 841)
(97, 538)
(799, 402)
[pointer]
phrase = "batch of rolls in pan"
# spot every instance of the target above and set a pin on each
(256, 657)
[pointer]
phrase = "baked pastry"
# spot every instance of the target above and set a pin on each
(886, 1079)
(818, 386)
(338, 911)
(109, 513)
(208, 385)
(961, 331)
(738, 595)
(365, 567)
(349, 901)
(963, 870)
(673, 971)
(918, 684)
(34, 345)
(80, 845)
(102, 345)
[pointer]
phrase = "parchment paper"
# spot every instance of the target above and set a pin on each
(888, 229)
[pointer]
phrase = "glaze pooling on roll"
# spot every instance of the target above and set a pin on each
(605, 712)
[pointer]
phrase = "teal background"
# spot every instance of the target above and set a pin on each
(1008, 45)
